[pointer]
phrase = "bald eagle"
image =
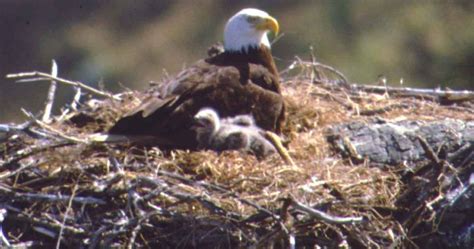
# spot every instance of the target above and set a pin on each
(242, 79)
(233, 133)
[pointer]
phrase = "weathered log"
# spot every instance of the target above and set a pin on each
(394, 143)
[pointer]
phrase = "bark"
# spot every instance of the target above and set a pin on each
(398, 142)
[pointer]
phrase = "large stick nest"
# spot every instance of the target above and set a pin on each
(59, 187)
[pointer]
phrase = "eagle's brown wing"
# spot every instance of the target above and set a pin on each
(203, 85)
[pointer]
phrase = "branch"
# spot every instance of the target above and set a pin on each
(4, 241)
(29, 197)
(52, 130)
(313, 66)
(324, 216)
(449, 95)
(51, 93)
(41, 222)
(66, 214)
(77, 98)
(44, 76)
(16, 171)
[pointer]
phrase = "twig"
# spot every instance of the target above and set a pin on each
(464, 190)
(442, 95)
(450, 95)
(367, 181)
(384, 109)
(122, 228)
(345, 81)
(324, 216)
(133, 236)
(66, 214)
(272, 235)
(97, 235)
(429, 151)
(46, 76)
(52, 130)
(7, 130)
(16, 171)
(29, 197)
(345, 102)
(3, 240)
(44, 231)
(277, 38)
(77, 98)
(51, 93)
(21, 154)
(314, 73)
(41, 222)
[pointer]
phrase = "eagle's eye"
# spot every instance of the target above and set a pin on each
(252, 19)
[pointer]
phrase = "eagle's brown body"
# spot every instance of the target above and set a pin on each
(231, 83)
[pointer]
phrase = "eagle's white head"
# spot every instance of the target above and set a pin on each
(248, 28)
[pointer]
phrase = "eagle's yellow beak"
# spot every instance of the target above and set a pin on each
(269, 23)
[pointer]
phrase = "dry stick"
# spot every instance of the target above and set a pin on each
(3, 239)
(122, 228)
(21, 154)
(30, 220)
(449, 94)
(12, 128)
(66, 214)
(77, 98)
(51, 93)
(29, 197)
(429, 151)
(52, 130)
(314, 72)
(366, 181)
(16, 171)
(96, 235)
(277, 38)
(133, 236)
(342, 101)
(324, 216)
(385, 109)
(329, 68)
(437, 169)
(272, 235)
(467, 160)
(44, 76)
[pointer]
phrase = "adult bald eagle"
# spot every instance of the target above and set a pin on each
(241, 80)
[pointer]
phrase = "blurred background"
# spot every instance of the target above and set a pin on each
(129, 43)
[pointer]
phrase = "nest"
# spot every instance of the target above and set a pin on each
(62, 188)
